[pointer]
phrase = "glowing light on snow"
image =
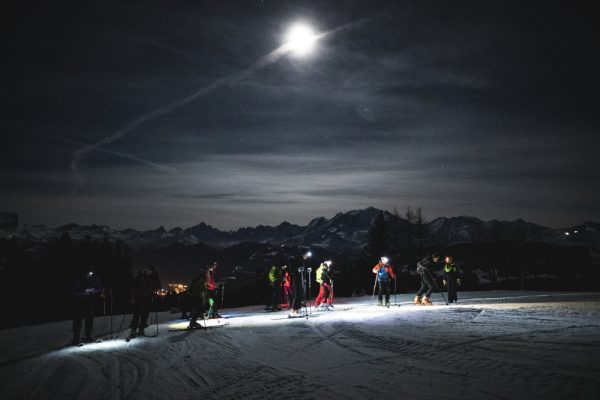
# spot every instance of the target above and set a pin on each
(300, 39)
(108, 345)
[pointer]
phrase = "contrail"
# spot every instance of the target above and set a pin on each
(159, 167)
(263, 61)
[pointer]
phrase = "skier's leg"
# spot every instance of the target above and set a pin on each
(325, 287)
(320, 296)
(77, 320)
(327, 293)
(144, 312)
(89, 318)
(387, 292)
(135, 318)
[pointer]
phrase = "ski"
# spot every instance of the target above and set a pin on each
(128, 339)
(81, 344)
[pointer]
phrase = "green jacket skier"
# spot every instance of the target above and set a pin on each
(451, 279)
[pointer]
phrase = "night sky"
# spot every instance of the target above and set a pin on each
(480, 108)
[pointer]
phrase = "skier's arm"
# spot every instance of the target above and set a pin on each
(392, 274)
(376, 268)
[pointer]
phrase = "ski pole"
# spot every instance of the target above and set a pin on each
(309, 291)
(123, 319)
(374, 286)
(156, 313)
(110, 293)
(222, 295)
(395, 292)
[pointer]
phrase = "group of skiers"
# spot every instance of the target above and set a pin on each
(202, 294)
(294, 281)
(428, 284)
(385, 273)
(88, 288)
(289, 283)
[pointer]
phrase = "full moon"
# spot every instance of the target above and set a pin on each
(300, 39)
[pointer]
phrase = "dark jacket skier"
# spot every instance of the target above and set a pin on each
(85, 294)
(298, 284)
(197, 299)
(145, 286)
(424, 268)
(451, 279)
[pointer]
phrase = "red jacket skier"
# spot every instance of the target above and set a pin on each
(384, 272)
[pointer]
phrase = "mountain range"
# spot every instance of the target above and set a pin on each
(344, 233)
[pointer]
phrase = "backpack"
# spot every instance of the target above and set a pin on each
(319, 275)
(383, 274)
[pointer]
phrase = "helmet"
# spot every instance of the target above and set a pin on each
(385, 260)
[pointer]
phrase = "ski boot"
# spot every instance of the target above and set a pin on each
(417, 300)
(426, 301)
(194, 325)
(379, 303)
(387, 304)
(132, 333)
(141, 332)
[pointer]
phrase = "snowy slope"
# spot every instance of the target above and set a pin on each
(508, 345)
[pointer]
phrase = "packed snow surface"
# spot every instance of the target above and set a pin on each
(491, 345)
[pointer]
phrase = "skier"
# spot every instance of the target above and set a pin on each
(451, 279)
(85, 293)
(296, 273)
(427, 283)
(383, 270)
(211, 291)
(197, 299)
(275, 282)
(324, 280)
(288, 293)
(145, 285)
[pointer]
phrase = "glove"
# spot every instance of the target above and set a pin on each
(444, 282)
(458, 281)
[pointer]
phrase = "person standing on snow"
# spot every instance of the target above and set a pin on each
(145, 286)
(384, 273)
(211, 291)
(427, 283)
(451, 279)
(324, 280)
(196, 299)
(275, 282)
(297, 274)
(288, 293)
(85, 293)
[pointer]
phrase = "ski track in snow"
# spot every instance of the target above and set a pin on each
(492, 345)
